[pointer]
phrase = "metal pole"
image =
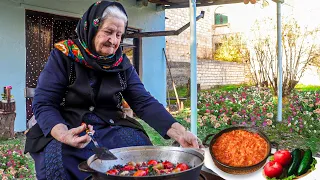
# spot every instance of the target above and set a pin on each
(193, 64)
(279, 39)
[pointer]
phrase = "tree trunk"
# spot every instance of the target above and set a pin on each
(7, 124)
(275, 87)
(8, 106)
(290, 86)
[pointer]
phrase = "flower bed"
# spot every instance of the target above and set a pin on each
(256, 107)
(13, 163)
(303, 113)
(243, 106)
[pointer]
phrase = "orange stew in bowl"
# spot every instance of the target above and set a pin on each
(240, 148)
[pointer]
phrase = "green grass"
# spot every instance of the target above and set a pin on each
(182, 93)
(302, 87)
(181, 90)
(11, 142)
(154, 136)
(228, 87)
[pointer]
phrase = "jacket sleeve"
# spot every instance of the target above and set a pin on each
(146, 106)
(50, 90)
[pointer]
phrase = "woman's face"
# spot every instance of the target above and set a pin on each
(108, 37)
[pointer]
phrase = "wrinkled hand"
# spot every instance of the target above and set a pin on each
(71, 137)
(184, 138)
(188, 140)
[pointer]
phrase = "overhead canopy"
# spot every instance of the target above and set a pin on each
(185, 3)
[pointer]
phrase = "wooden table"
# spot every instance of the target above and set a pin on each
(7, 124)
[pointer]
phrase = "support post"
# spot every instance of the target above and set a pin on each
(193, 59)
(279, 46)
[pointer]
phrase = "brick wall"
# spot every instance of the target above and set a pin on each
(180, 73)
(210, 73)
(178, 47)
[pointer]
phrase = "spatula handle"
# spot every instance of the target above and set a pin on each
(93, 139)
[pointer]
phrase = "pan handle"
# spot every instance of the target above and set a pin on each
(204, 142)
(85, 168)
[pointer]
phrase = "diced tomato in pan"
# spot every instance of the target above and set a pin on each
(167, 165)
(113, 172)
(152, 162)
(128, 168)
(140, 173)
(182, 166)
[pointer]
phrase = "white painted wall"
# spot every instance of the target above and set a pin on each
(13, 57)
(13, 50)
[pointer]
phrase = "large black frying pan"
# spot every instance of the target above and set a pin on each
(98, 168)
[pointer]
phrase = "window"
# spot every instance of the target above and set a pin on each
(220, 19)
(217, 46)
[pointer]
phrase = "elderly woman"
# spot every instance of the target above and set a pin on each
(82, 86)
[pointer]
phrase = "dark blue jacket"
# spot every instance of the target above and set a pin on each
(53, 84)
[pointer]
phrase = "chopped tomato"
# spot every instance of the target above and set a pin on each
(157, 171)
(113, 172)
(152, 162)
(182, 166)
(131, 163)
(167, 165)
(167, 171)
(159, 166)
(128, 168)
(176, 170)
(140, 173)
(151, 167)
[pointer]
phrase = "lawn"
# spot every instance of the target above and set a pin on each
(218, 108)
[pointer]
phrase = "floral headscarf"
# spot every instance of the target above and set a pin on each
(81, 49)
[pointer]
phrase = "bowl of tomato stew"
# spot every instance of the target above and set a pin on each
(239, 150)
(147, 162)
